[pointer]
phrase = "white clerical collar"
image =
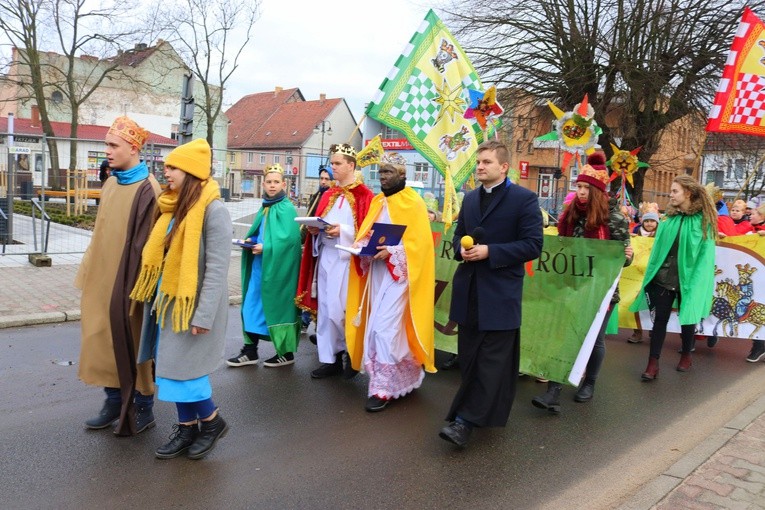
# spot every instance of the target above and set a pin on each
(489, 190)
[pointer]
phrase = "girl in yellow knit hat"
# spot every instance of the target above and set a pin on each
(184, 282)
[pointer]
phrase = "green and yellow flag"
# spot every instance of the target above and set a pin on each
(425, 98)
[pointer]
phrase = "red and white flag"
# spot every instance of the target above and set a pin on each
(739, 105)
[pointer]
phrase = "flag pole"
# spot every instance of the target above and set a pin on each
(356, 128)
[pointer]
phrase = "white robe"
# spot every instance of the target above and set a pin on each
(332, 283)
(393, 371)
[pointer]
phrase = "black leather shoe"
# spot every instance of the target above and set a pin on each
(457, 433)
(209, 433)
(376, 404)
(585, 392)
(109, 413)
(329, 369)
(452, 362)
(181, 439)
(348, 370)
(312, 339)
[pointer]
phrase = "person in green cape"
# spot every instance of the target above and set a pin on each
(270, 276)
(680, 270)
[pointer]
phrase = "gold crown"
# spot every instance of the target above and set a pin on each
(275, 168)
(127, 129)
(393, 158)
(343, 148)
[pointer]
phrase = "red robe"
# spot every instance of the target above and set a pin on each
(359, 197)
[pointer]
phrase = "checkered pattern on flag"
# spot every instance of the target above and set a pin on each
(739, 105)
(425, 96)
(750, 100)
(415, 105)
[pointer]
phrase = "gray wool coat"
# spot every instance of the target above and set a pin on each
(183, 356)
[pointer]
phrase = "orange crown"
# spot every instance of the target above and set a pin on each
(127, 129)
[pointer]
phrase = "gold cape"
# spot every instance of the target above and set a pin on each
(404, 208)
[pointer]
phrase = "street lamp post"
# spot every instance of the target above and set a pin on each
(323, 127)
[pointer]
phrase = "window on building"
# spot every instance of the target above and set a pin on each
(232, 157)
(717, 177)
(174, 131)
(519, 146)
(262, 159)
(250, 157)
(530, 149)
(525, 134)
(739, 168)
(373, 172)
(421, 171)
(277, 158)
(390, 133)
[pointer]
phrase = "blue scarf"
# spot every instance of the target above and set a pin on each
(269, 201)
(135, 174)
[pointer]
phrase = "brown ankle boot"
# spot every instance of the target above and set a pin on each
(652, 370)
(685, 362)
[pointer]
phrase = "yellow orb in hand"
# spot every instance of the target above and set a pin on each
(467, 242)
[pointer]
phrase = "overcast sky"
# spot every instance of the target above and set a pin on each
(343, 48)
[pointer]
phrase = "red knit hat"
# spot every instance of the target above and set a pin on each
(594, 172)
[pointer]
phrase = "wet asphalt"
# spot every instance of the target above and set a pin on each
(300, 443)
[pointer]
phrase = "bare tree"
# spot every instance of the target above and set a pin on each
(19, 21)
(736, 163)
(646, 62)
(74, 28)
(210, 36)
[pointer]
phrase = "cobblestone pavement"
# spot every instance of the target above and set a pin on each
(732, 478)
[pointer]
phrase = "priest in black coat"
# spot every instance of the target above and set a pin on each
(505, 223)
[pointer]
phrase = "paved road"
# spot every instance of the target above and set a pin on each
(299, 443)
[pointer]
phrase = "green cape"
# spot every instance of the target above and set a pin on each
(696, 266)
(279, 276)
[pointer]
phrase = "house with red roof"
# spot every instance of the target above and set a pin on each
(281, 126)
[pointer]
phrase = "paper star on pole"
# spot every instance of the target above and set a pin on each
(483, 106)
(625, 164)
(449, 100)
(576, 131)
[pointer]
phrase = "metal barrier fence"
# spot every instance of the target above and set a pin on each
(53, 212)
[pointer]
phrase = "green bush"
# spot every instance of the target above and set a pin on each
(57, 213)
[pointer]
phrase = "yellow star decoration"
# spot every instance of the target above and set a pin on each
(450, 101)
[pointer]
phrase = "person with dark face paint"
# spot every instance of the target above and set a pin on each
(393, 294)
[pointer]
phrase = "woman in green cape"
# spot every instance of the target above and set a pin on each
(680, 269)
(269, 277)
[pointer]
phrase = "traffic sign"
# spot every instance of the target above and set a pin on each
(294, 170)
(19, 150)
(524, 169)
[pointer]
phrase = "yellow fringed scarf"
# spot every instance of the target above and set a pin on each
(182, 259)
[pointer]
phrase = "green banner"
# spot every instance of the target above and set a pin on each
(565, 290)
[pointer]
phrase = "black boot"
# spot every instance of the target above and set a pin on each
(144, 418)
(585, 392)
(109, 413)
(182, 437)
(209, 433)
(550, 400)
